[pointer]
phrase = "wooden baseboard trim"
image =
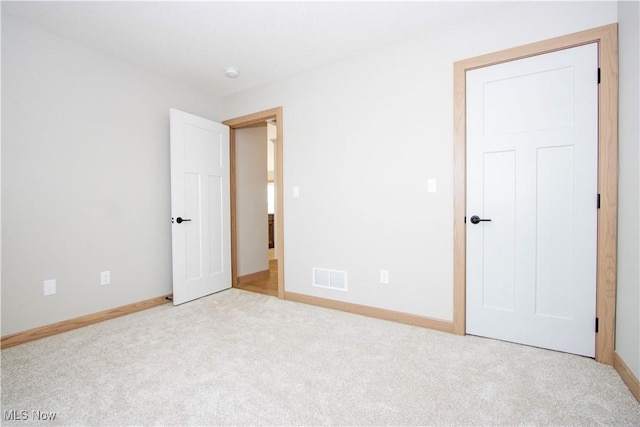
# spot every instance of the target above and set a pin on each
(627, 376)
(379, 313)
(79, 322)
(258, 275)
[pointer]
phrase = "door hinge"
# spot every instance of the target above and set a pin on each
(596, 325)
(598, 200)
(465, 219)
(598, 75)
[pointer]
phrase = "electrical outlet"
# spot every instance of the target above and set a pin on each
(49, 287)
(384, 276)
(105, 277)
(431, 186)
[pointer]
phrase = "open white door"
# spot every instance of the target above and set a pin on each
(200, 207)
(532, 163)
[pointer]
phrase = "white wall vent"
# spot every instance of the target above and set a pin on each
(330, 279)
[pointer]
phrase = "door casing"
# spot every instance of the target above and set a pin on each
(607, 39)
(240, 122)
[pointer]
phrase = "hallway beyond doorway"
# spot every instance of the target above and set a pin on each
(268, 286)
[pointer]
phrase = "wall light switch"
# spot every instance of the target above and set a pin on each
(49, 287)
(105, 277)
(296, 191)
(431, 186)
(384, 276)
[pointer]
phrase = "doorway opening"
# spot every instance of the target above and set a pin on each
(271, 280)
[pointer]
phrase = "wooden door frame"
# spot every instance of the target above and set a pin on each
(237, 123)
(607, 39)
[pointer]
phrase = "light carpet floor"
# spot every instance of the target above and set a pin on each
(238, 358)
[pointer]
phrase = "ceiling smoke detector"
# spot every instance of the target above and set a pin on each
(231, 72)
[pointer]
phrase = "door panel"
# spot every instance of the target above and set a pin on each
(192, 241)
(532, 169)
(499, 243)
(200, 193)
(216, 228)
(520, 103)
(554, 248)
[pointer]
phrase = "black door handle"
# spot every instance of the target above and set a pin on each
(180, 220)
(476, 219)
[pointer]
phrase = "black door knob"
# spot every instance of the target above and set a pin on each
(476, 219)
(180, 220)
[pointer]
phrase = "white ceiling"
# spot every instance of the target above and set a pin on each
(195, 41)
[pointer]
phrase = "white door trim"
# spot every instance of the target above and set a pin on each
(607, 39)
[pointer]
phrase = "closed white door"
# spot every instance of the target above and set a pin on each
(532, 152)
(200, 207)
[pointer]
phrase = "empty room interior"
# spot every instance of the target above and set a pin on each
(320, 213)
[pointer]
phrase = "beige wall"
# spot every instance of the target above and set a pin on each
(628, 297)
(363, 136)
(85, 168)
(272, 133)
(251, 200)
(85, 177)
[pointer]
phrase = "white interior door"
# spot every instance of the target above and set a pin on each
(532, 150)
(200, 206)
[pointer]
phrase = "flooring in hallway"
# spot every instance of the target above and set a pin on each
(267, 286)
